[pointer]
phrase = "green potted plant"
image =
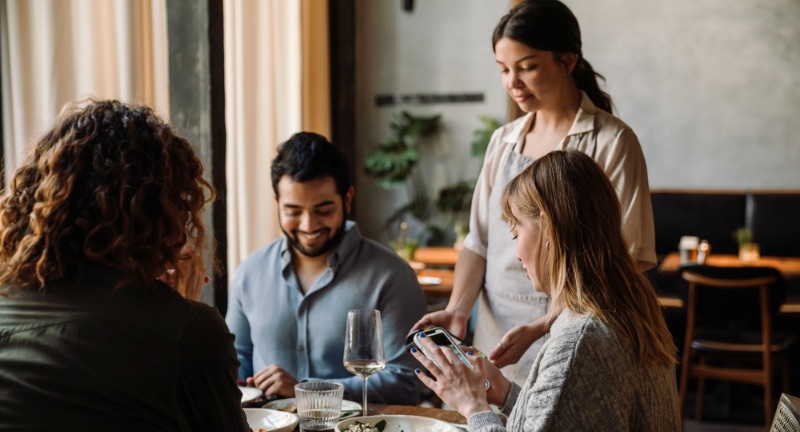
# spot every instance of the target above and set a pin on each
(393, 164)
(455, 200)
(748, 249)
(483, 135)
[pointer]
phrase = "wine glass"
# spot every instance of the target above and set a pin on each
(363, 346)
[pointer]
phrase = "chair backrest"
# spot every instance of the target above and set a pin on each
(787, 416)
(729, 298)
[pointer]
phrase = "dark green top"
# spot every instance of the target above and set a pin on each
(84, 358)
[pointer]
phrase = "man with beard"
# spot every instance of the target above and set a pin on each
(288, 301)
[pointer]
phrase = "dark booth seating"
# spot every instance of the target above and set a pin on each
(713, 215)
(774, 218)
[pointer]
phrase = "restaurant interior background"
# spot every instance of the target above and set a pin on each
(711, 88)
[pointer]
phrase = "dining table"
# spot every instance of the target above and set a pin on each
(449, 416)
(435, 268)
(436, 256)
(788, 266)
(436, 283)
(446, 415)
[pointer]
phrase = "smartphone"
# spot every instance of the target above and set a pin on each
(442, 338)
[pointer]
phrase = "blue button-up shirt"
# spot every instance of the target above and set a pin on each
(275, 322)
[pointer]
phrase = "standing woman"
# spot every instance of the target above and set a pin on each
(609, 363)
(537, 48)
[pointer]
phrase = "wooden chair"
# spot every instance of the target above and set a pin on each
(787, 416)
(729, 317)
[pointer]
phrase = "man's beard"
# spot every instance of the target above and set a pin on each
(294, 241)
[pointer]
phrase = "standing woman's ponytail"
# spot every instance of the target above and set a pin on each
(586, 79)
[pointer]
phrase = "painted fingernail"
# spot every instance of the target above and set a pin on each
(422, 335)
(413, 350)
(417, 371)
(469, 353)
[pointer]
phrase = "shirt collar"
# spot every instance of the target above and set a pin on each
(584, 121)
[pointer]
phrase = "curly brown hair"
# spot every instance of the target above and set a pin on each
(110, 184)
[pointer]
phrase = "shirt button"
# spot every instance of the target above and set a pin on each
(301, 349)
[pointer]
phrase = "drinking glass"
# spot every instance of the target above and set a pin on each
(363, 346)
(319, 404)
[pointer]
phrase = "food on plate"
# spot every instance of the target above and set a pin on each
(366, 427)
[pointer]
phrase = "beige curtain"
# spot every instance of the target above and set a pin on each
(276, 84)
(54, 52)
(315, 64)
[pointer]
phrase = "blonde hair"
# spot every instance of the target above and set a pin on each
(589, 269)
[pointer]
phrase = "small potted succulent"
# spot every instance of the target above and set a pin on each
(748, 249)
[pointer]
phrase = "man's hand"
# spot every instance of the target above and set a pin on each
(273, 381)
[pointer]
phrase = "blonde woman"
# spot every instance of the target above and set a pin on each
(609, 363)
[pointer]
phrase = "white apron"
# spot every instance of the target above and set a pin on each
(507, 298)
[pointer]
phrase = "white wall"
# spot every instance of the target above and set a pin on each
(712, 88)
(442, 46)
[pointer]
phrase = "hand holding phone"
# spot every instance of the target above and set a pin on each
(443, 339)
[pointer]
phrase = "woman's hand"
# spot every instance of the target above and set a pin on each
(456, 384)
(515, 342)
(453, 322)
(193, 275)
(499, 384)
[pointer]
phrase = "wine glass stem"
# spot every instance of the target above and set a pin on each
(365, 396)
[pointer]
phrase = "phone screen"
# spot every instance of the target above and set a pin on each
(444, 340)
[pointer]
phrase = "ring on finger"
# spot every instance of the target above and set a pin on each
(502, 345)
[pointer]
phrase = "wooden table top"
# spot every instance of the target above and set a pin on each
(435, 413)
(436, 290)
(411, 410)
(436, 256)
(788, 266)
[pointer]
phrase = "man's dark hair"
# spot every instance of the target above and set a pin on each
(308, 156)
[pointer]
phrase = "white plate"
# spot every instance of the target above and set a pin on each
(349, 408)
(398, 423)
(249, 393)
(429, 280)
(270, 420)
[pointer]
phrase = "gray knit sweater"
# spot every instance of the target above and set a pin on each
(585, 378)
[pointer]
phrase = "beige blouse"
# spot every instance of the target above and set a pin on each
(508, 299)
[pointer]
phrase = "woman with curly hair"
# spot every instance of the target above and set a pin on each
(105, 210)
